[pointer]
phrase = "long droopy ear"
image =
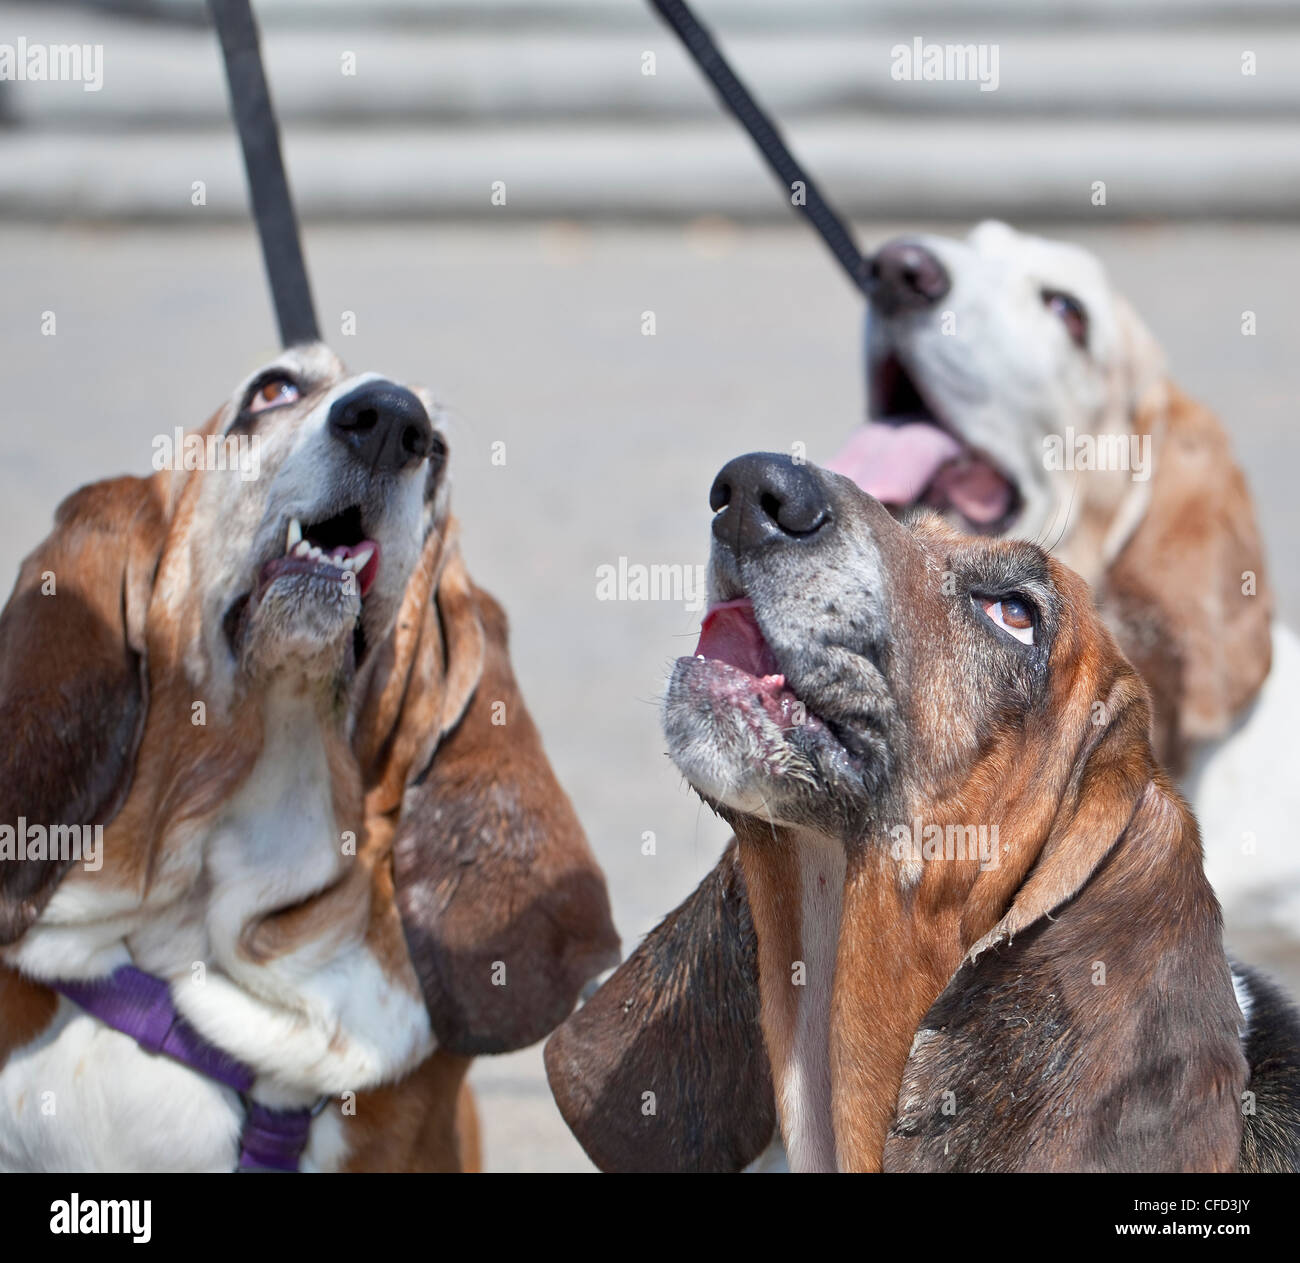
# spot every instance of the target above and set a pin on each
(73, 688)
(664, 1068)
(1095, 1028)
(1187, 595)
(504, 908)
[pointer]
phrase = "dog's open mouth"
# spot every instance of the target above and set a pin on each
(335, 550)
(731, 705)
(746, 670)
(333, 556)
(907, 455)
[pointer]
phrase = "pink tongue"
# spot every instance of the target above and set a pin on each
(900, 464)
(895, 463)
(366, 579)
(975, 490)
(730, 634)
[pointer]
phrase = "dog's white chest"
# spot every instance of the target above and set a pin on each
(318, 1018)
(322, 1015)
(83, 1097)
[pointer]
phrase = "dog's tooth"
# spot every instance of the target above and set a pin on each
(360, 559)
(294, 535)
(302, 549)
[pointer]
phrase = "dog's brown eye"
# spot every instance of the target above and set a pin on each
(273, 394)
(1012, 615)
(1071, 314)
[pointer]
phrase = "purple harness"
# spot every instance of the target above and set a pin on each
(140, 1005)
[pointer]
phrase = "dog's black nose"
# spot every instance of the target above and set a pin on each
(384, 425)
(765, 497)
(905, 276)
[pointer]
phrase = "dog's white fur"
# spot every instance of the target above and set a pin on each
(805, 1087)
(321, 1020)
(1246, 795)
(1000, 369)
(1005, 376)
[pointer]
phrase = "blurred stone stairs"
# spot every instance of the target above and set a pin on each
(549, 100)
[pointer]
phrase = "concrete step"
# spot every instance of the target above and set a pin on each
(887, 167)
(732, 15)
(170, 76)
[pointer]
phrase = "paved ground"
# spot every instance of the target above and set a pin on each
(533, 336)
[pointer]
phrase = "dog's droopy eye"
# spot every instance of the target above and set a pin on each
(1012, 615)
(273, 393)
(1071, 313)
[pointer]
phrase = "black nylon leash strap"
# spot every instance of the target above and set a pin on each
(268, 185)
(736, 97)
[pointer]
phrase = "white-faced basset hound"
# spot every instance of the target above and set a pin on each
(965, 907)
(278, 840)
(1012, 390)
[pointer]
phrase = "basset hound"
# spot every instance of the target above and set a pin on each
(277, 837)
(964, 924)
(1013, 391)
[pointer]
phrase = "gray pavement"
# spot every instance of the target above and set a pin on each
(532, 335)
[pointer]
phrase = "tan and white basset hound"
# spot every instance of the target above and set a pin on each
(264, 746)
(1014, 391)
(965, 907)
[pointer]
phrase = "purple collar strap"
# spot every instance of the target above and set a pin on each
(140, 1005)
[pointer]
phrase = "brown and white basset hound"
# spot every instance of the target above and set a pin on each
(263, 743)
(964, 924)
(1014, 391)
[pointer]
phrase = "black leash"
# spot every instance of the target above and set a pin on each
(268, 185)
(736, 97)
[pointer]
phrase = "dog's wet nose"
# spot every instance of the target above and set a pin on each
(905, 276)
(765, 497)
(384, 425)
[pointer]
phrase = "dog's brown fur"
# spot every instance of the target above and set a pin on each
(468, 849)
(970, 1028)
